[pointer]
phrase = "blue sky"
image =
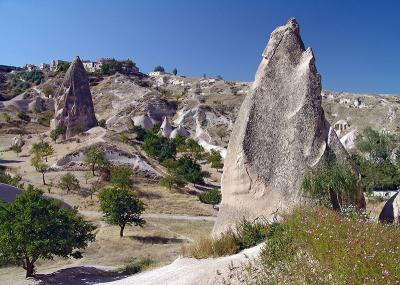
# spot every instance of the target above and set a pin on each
(356, 43)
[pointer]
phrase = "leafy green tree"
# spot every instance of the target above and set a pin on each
(69, 182)
(121, 177)
(221, 132)
(189, 170)
(212, 197)
(159, 68)
(215, 159)
(39, 165)
(111, 67)
(95, 157)
(140, 132)
(43, 149)
(174, 71)
(180, 143)
(334, 184)
(120, 207)
(34, 227)
(194, 149)
(159, 147)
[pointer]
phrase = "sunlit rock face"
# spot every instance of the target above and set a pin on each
(74, 109)
(279, 134)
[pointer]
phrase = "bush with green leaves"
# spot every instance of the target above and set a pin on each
(34, 227)
(120, 207)
(122, 177)
(10, 180)
(58, 131)
(45, 119)
(102, 123)
(190, 170)
(137, 266)
(172, 180)
(140, 132)
(215, 158)
(68, 182)
(48, 90)
(212, 197)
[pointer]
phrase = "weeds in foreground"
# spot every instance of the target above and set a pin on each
(318, 243)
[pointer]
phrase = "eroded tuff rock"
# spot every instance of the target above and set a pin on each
(391, 211)
(279, 134)
(74, 109)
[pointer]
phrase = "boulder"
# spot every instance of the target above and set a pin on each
(74, 109)
(17, 141)
(280, 133)
(181, 131)
(391, 211)
(166, 128)
(143, 121)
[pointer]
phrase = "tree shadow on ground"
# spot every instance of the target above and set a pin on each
(4, 161)
(157, 239)
(80, 275)
(148, 195)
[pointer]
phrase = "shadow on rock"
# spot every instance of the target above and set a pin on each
(77, 276)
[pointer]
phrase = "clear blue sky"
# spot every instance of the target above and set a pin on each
(356, 43)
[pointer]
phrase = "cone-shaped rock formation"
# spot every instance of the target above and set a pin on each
(74, 109)
(279, 134)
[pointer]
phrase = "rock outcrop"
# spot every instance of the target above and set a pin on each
(17, 141)
(279, 134)
(74, 109)
(391, 211)
(166, 128)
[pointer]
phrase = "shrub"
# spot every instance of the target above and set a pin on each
(140, 132)
(45, 118)
(102, 123)
(54, 134)
(215, 159)
(212, 197)
(137, 266)
(48, 90)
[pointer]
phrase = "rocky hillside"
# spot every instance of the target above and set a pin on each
(206, 107)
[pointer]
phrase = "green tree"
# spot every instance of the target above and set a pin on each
(334, 184)
(16, 148)
(34, 227)
(159, 68)
(174, 71)
(212, 197)
(194, 149)
(140, 132)
(43, 149)
(221, 132)
(95, 157)
(54, 134)
(215, 159)
(121, 177)
(189, 170)
(39, 165)
(68, 182)
(121, 208)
